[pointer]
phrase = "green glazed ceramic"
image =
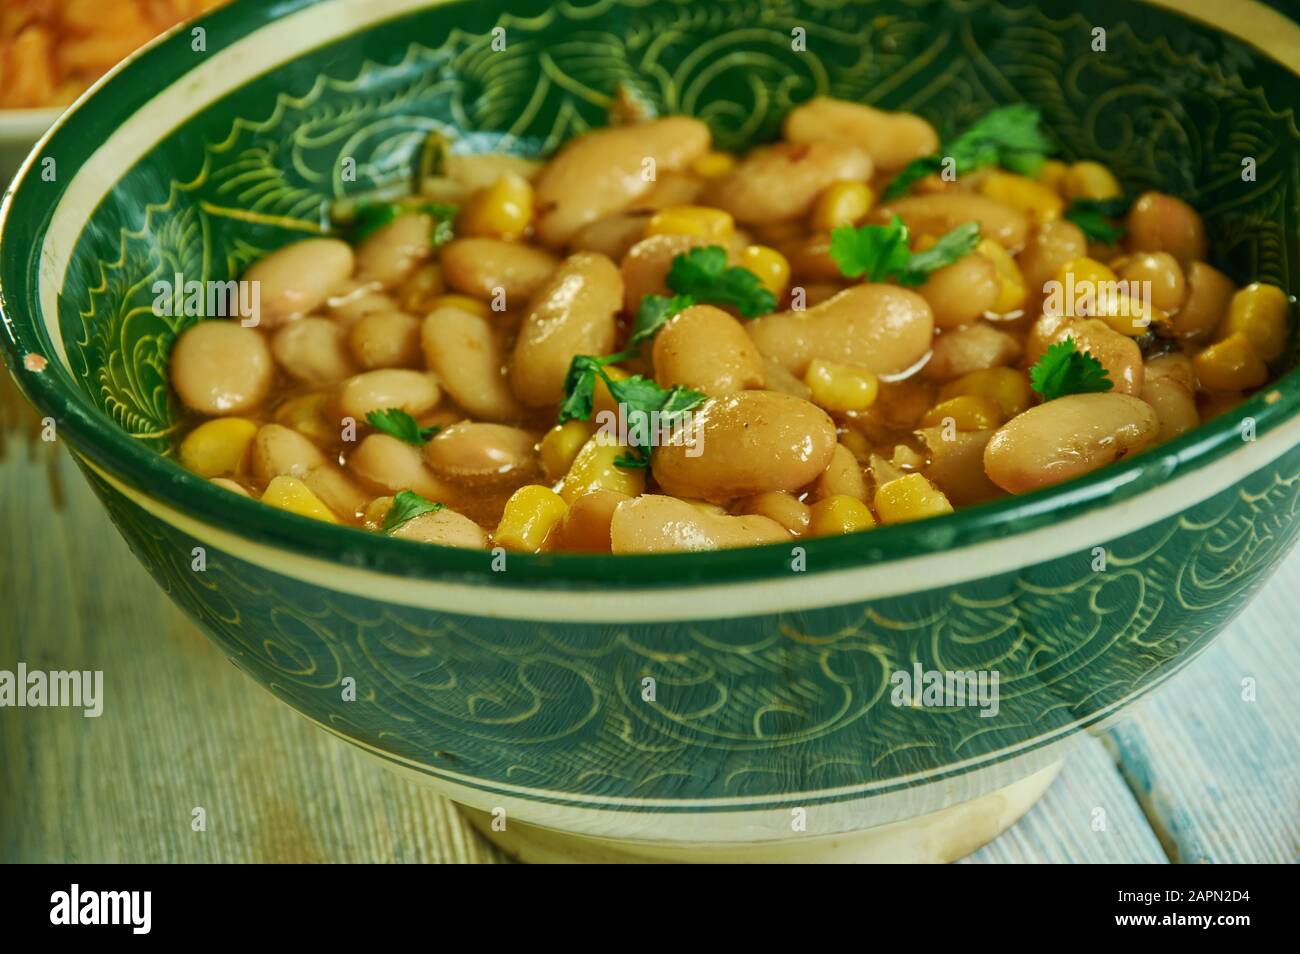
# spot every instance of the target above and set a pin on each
(671, 703)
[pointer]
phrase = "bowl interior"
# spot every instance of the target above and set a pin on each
(196, 164)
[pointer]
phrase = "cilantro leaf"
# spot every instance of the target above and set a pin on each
(641, 398)
(912, 173)
(680, 400)
(1096, 218)
(397, 423)
(633, 460)
(876, 251)
(881, 251)
(639, 395)
(580, 386)
(951, 246)
(370, 216)
(653, 312)
(1064, 369)
(703, 275)
(407, 505)
(1009, 136)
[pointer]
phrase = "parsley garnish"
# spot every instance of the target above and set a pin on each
(700, 275)
(580, 385)
(703, 275)
(397, 423)
(1096, 218)
(634, 459)
(639, 395)
(1064, 369)
(653, 313)
(407, 505)
(1008, 137)
(370, 216)
(881, 251)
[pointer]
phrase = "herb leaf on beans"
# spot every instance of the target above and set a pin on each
(703, 275)
(1064, 369)
(1009, 136)
(580, 385)
(397, 423)
(653, 313)
(1097, 218)
(699, 276)
(407, 505)
(640, 397)
(881, 252)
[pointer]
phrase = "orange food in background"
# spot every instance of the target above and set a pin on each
(51, 50)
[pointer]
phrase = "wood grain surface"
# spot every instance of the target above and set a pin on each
(1197, 773)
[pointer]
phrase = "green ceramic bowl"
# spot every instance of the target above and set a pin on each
(680, 702)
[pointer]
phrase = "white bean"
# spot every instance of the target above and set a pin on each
(312, 350)
(297, 279)
(220, 367)
(411, 391)
(463, 351)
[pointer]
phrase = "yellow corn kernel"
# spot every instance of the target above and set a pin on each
(771, 267)
(531, 513)
(1052, 174)
(1127, 314)
(1012, 288)
(1090, 180)
(1258, 311)
(712, 224)
(1008, 388)
(1089, 280)
(601, 399)
(839, 204)
(839, 514)
(463, 302)
(561, 445)
(911, 497)
(1230, 365)
(217, 447)
(968, 412)
(594, 469)
(841, 387)
(503, 210)
(1039, 202)
(1087, 270)
(713, 164)
(291, 494)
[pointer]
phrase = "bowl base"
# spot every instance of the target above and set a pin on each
(941, 836)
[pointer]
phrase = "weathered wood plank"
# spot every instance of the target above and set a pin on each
(1088, 816)
(1216, 766)
(181, 728)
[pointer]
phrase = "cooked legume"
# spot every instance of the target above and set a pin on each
(647, 345)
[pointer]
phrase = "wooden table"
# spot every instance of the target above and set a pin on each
(1196, 773)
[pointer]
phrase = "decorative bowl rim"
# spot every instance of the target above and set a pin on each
(113, 453)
